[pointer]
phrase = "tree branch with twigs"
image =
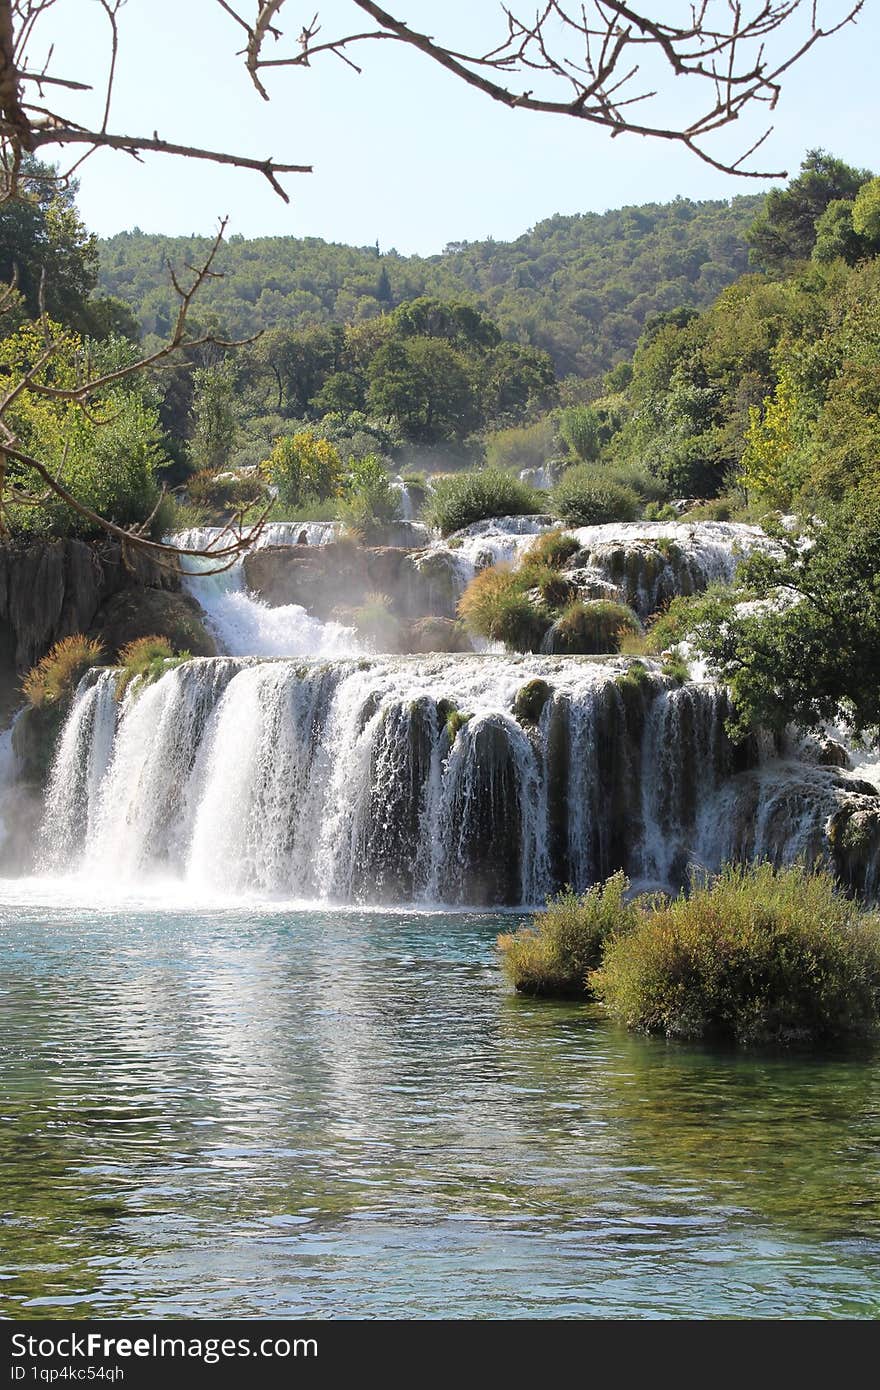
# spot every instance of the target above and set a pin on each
(594, 62)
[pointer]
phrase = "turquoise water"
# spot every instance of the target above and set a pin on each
(252, 1112)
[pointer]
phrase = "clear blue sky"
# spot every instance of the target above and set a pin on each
(404, 154)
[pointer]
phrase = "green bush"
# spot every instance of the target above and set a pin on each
(224, 492)
(558, 954)
(679, 617)
(495, 606)
(551, 548)
(760, 955)
(584, 497)
(461, 499)
(375, 622)
(522, 446)
(592, 629)
(57, 675)
(660, 511)
(146, 659)
(173, 515)
(554, 587)
(370, 501)
(304, 468)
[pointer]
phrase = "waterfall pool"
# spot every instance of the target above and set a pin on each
(263, 1111)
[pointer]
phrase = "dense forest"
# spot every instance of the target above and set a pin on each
(580, 287)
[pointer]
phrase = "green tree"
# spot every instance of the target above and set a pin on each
(304, 467)
(866, 213)
(217, 416)
(108, 458)
(426, 386)
(457, 323)
(785, 231)
(773, 465)
(836, 236)
(581, 429)
(809, 654)
(44, 243)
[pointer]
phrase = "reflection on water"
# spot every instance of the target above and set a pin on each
(276, 1113)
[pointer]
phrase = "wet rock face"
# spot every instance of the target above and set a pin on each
(854, 837)
(137, 613)
(52, 589)
(436, 635)
(325, 578)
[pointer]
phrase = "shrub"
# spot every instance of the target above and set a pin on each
(632, 644)
(679, 617)
(495, 606)
(583, 497)
(580, 428)
(593, 628)
(522, 446)
(555, 589)
(552, 548)
(461, 499)
(558, 954)
(371, 501)
(760, 955)
(675, 669)
(57, 675)
(716, 509)
(660, 511)
(635, 676)
(173, 515)
(223, 492)
(304, 467)
(147, 658)
(375, 621)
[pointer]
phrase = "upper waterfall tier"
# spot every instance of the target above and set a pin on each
(291, 599)
(445, 779)
(642, 563)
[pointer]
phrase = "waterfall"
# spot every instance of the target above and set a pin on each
(395, 780)
(241, 623)
(407, 511)
(8, 777)
(642, 563)
(81, 760)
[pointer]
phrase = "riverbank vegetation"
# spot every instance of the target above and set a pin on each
(757, 955)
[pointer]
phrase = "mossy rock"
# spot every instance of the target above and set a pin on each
(530, 699)
(437, 635)
(135, 613)
(451, 718)
(636, 674)
(35, 737)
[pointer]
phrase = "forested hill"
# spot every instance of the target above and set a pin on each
(579, 286)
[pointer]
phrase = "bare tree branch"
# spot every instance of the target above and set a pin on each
(28, 125)
(595, 53)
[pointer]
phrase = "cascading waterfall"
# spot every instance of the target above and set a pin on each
(240, 622)
(642, 563)
(393, 780)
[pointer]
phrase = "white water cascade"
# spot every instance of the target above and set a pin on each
(243, 625)
(394, 780)
(643, 563)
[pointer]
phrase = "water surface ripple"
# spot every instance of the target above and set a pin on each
(259, 1112)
